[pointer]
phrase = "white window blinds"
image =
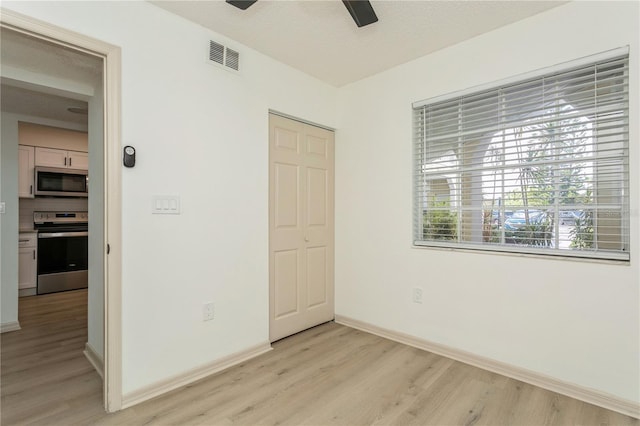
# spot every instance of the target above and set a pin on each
(538, 165)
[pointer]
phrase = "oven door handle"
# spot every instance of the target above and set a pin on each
(62, 234)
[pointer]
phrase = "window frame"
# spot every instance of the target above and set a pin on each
(418, 165)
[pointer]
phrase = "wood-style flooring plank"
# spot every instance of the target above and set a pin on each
(328, 375)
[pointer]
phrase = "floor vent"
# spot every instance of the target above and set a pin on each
(224, 56)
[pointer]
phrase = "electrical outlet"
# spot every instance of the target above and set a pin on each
(417, 295)
(207, 311)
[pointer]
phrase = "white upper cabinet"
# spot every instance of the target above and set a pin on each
(78, 160)
(26, 163)
(50, 157)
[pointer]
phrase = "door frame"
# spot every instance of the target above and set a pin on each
(112, 261)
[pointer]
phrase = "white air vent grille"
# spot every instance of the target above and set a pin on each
(224, 56)
(232, 59)
(216, 52)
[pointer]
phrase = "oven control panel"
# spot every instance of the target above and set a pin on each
(60, 217)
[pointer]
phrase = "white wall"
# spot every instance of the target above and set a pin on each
(573, 320)
(200, 133)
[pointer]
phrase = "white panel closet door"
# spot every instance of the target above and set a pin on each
(301, 243)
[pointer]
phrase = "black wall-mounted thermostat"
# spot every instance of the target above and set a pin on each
(129, 158)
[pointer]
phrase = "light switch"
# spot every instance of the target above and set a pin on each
(165, 204)
(3, 208)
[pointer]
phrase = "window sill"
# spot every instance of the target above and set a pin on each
(557, 257)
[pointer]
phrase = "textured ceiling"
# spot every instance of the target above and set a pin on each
(320, 38)
(38, 63)
(28, 102)
(42, 57)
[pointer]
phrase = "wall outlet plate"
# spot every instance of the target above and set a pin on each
(417, 295)
(207, 311)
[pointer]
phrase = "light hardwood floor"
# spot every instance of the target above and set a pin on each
(328, 375)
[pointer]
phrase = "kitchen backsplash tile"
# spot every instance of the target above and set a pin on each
(47, 204)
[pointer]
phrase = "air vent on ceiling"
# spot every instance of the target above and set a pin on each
(224, 56)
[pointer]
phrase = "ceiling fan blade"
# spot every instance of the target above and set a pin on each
(241, 4)
(361, 11)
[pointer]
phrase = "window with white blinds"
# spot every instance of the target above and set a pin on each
(539, 165)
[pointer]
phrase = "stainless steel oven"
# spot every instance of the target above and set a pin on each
(62, 251)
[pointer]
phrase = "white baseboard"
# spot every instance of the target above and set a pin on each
(592, 396)
(94, 359)
(6, 327)
(164, 386)
(24, 292)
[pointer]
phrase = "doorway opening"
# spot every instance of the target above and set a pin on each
(103, 127)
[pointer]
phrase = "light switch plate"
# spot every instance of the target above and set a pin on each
(165, 204)
(3, 208)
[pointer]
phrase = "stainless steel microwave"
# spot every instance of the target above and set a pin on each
(60, 182)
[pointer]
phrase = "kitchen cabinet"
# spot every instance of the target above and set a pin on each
(51, 157)
(80, 160)
(27, 260)
(26, 163)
